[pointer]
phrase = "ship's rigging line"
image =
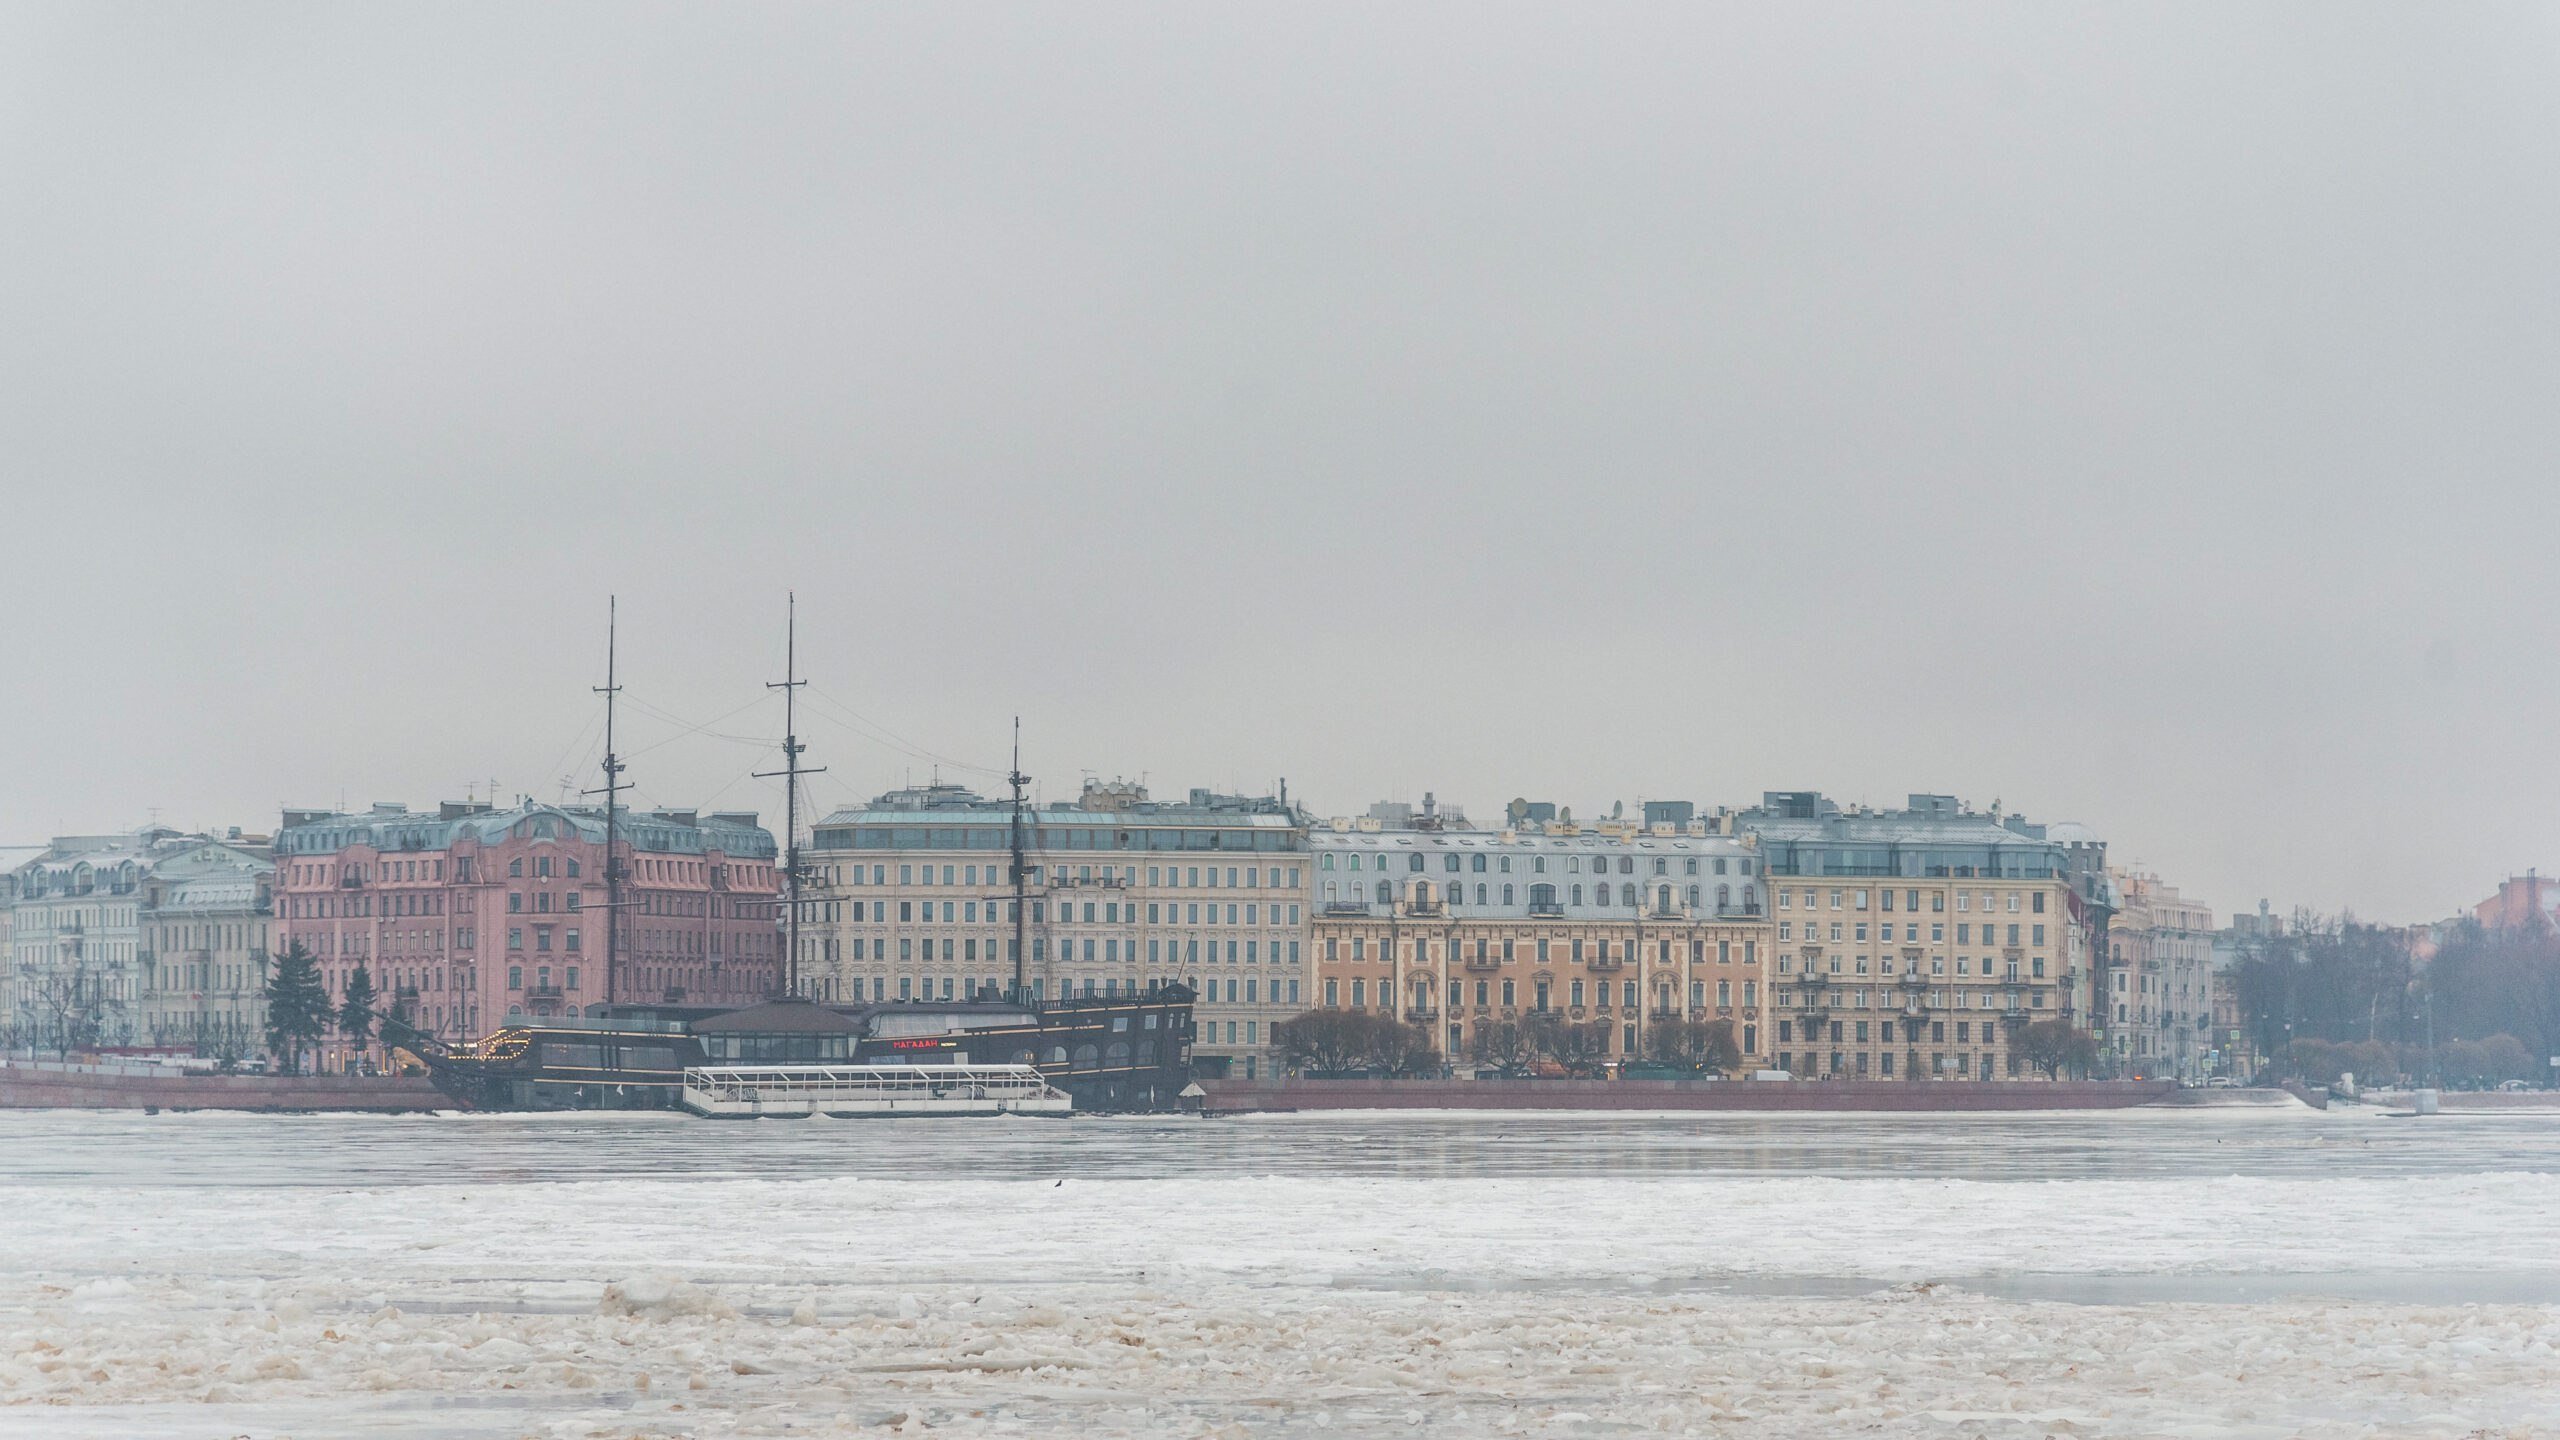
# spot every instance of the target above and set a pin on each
(595, 718)
(870, 729)
(852, 721)
(692, 728)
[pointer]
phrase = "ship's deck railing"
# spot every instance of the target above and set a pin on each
(852, 1082)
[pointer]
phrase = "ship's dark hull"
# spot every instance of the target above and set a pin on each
(1110, 1055)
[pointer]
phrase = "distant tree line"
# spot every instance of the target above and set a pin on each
(2336, 995)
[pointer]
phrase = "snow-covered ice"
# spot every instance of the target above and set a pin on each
(1493, 1274)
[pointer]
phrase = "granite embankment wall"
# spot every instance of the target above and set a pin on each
(2470, 1099)
(1237, 1096)
(77, 1087)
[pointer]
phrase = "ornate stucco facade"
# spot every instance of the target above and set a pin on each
(1457, 930)
(467, 917)
(91, 919)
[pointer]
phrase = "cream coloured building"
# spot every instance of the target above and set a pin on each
(2157, 1003)
(912, 898)
(1915, 943)
(202, 978)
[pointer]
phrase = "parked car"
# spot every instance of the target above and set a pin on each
(2510, 1087)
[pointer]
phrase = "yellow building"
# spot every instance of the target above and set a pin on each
(1915, 943)
(912, 900)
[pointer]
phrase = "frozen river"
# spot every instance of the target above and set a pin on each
(2253, 1272)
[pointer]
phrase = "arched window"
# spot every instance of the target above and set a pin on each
(1479, 864)
(1577, 894)
(1627, 895)
(1386, 893)
(1480, 894)
(1327, 863)
(1542, 896)
(1506, 895)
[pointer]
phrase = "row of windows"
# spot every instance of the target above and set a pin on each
(1501, 864)
(1545, 896)
(210, 937)
(1788, 899)
(1857, 965)
(1953, 1067)
(1044, 837)
(855, 988)
(1887, 1000)
(1423, 949)
(1911, 932)
(1106, 951)
(1885, 1030)
(1231, 877)
(1664, 996)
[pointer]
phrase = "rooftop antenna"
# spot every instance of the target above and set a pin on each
(1021, 880)
(790, 773)
(612, 793)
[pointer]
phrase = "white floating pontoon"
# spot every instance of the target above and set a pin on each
(746, 1091)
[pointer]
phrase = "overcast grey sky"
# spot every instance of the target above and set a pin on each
(2142, 415)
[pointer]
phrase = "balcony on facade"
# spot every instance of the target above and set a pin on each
(1546, 909)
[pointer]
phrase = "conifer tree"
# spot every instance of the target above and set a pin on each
(355, 1017)
(297, 1005)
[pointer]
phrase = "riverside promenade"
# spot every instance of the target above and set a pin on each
(1229, 1097)
(54, 1085)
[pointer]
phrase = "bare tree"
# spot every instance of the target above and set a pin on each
(73, 1005)
(1578, 1047)
(1504, 1045)
(1697, 1044)
(2053, 1046)
(1324, 1041)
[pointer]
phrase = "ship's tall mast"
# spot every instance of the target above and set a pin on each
(790, 773)
(1021, 878)
(612, 792)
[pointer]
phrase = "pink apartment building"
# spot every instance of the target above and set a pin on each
(471, 916)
